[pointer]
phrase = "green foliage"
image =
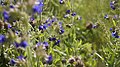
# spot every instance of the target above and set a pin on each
(93, 47)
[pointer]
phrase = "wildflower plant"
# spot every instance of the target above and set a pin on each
(59, 33)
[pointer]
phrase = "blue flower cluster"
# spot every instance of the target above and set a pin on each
(2, 38)
(68, 14)
(20, 58)
(23, 44)
(38, 7)
(44, 44)
(48, 23)
(114, 33)
(49, 59)
(12, 62)
(6, 15)
(113, 5)
(61, 1)
(61, 28)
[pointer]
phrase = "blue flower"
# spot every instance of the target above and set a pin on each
(44, 26)
(16, 32)
(73, 14)
(6, 16)
(47, 20)
(52, 39)
(24, 44)
(9, 26)
(60, 23)
(21, 57)
(38, 44)
(111, 29)
(32, 18)
(49, 59)
(61, 31)
(66, 15)
(11, 6)
(115, 34)
(2, 38)
(53, 20)
(61, 28)
(57, 42)
(49, 24)
(79, 18)
(68, 12)
(61, 2)
(38, 8)
(16, 44)
(106, 16)
(112, 5)
(12, 62)
(41, 27)
(94, 26)
(45, 44)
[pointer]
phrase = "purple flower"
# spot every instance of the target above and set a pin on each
(61, 31)
(112, 5)
(12, 62)
(68, 12)
(11, 6)
(38, 8)
(6, 16)
(60, 23)
(73, 14)
(57, 42)
(49, 24)
(16, 32)
(52, 39)
(111, 29)
(44, 26)
(49, 59)
(94, 26)
(61, 2)
(32, 18)
(61, 28)
(45, 44)
(79, 18)
(106, 16)
(9, 26)
(16, 44)
(24, 44)
(41, 27)
(66, 15)
(47, 20)
(115, 34)
(116, 16)
(38, 44)
(53, 20)
(21, 57)
(2, 38)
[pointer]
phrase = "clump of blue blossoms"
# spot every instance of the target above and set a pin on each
(61, 28)
(61, 1)
(114, 33)
(38, 7)
(113, 5)
(22, 44)
(49, 59)
(12, 62)
(5, 15)
(2, 38)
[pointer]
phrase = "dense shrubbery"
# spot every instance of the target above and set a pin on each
(59, 33)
